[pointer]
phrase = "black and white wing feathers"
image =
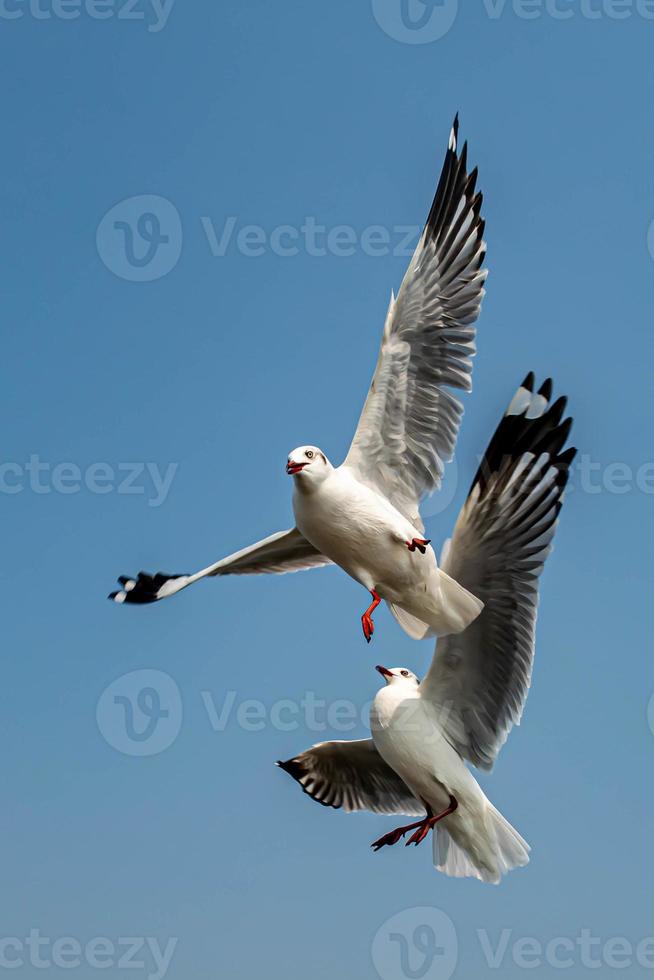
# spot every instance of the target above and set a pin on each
(352, 776)
(480, 678)
(410, 421)
(285, 551)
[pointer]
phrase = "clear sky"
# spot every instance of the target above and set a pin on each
(172, 334)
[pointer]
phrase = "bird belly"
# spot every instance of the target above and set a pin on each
(365, 535)
(412, 743)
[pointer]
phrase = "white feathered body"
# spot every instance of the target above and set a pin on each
(361, 531)
(475, 840)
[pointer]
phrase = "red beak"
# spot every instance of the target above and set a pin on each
(293, 468)
(384, 671)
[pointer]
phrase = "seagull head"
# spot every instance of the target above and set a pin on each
(398, 675)
(309, 464)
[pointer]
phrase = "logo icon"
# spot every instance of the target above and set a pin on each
(140, 238)
(140, 713)
(441, 498)
(416, 944)
(415, 21)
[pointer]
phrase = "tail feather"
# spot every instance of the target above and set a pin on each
(504, 850)
(412, 626)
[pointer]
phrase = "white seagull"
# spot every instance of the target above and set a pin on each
(364, 515)
(478, 681)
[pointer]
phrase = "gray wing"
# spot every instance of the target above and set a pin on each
(480, 678)
(410, 421)
(285, 551)
(352, 776)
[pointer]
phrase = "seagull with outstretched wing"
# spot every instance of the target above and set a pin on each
(477, 684)
(364, 515)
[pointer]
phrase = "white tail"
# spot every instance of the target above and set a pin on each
(501, 851)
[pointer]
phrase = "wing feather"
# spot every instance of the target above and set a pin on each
(410, 421)
(480, 678)
(352, 776)
(285, 551)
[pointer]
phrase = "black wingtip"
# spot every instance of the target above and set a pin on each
(546, 389)
(529, 381)
(292, 767)
(454, 135)
(112, 596)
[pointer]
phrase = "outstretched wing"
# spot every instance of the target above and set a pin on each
(480, 678)
(410, 421)
(352, 775)
(286, 551)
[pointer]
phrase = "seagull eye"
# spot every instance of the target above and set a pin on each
(309, 454)
(404, 673)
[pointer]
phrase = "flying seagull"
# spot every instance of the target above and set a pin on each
(478, 681)
(364, 515)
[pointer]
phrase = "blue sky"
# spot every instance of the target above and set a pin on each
(208, 363)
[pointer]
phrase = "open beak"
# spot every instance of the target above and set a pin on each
(384, 671)
(293, 468)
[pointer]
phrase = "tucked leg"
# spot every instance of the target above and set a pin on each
(419, 543)
(366, 619)
(430, 823)
(395, 835)
(421, 828)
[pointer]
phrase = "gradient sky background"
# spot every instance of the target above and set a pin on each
(270, 112)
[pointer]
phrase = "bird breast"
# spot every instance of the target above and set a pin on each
(347, 521)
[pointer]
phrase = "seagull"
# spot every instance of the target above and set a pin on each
(364, 514)
(478, 681)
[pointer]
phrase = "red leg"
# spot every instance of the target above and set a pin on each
(430, 823)
(422, 828)
(419, 543)
(366, 619)
(395, 835)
